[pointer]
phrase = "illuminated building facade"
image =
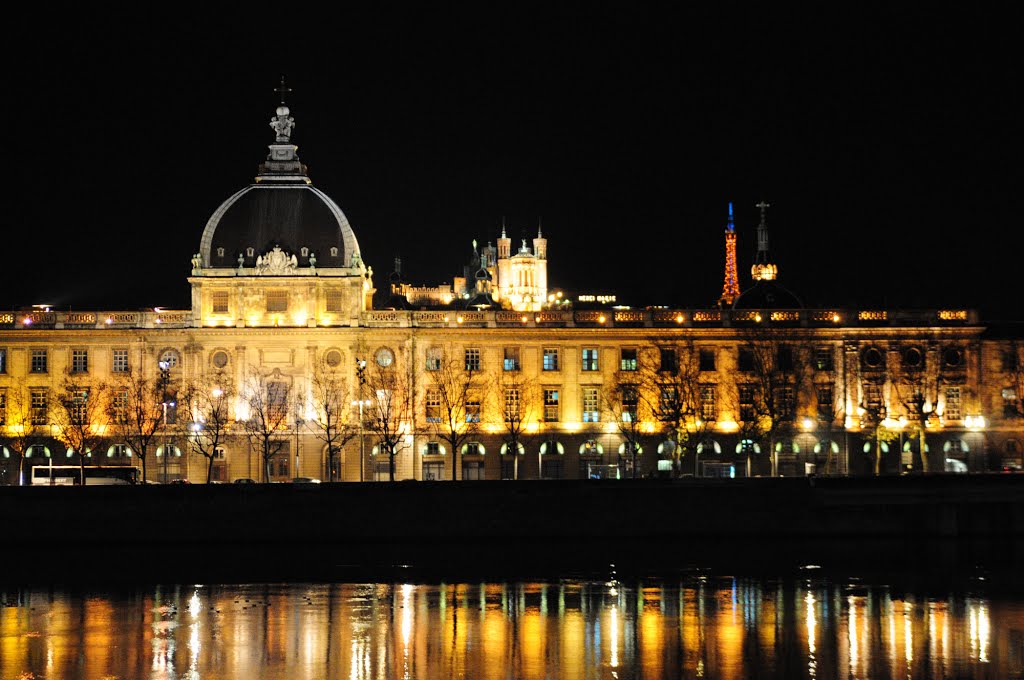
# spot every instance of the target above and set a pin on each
(282, 302)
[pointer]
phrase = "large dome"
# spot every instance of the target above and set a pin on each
(280, 209)
(291, 216)
(767, 294)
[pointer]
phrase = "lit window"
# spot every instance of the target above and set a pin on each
(630, 400)
(78, 407)
(434, 359)
(746, 393)
(785, 403)
(472, 409)
(628, 360)
(590, 405)
(511, 359)
(823, 358)
(551, 405)
(550, 359)
(668, 403)
(120, 406)
(3, 407)
(590, 359)
(472, 359)
(826, 403)
(277, 401)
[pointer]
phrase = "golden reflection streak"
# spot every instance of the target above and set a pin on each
(614, 620)
(812, 624)
(851, 632)
(908, 634)
(406, 627)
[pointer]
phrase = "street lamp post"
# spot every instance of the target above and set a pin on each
(360, 374)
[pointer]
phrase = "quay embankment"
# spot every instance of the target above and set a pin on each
(312, 530)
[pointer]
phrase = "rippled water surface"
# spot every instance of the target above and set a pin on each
(697, 626)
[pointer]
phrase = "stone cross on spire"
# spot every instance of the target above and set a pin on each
(282, 123)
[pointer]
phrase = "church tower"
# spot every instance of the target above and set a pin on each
(731, 285)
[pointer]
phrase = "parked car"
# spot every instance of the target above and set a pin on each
(245, 480)
(305, 480)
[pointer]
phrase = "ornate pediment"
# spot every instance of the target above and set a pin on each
(276, 262)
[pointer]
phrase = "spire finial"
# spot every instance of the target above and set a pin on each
(503, 227)
(763, 269)
(729, 225)
(540, 233)
(282, 89)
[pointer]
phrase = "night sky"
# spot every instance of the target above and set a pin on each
(887, 144)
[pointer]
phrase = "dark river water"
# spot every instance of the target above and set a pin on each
(693, 625)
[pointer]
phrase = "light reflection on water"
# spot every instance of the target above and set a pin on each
(573, 629)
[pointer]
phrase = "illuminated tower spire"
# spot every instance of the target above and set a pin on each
(763, 269)
(731, 286)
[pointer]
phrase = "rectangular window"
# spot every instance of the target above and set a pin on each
(826, 405)
(873, 396)
(589, 358)
(668, 403)
(823, 359)
(433, 449)
(473, 449)
(79, 361)
(40, 406)
(551, 468)
(38, 361)
(784, 358)
(432, 470)
(3, 360)
(708, 407)
(628, 360)
(472, 408)
(277, 401)
(707, 360)
(785, 404)
(669, 360)
(119, 406)
(745, 359)
(511, 359)
(591, 401)
(280, 462)
(472, 469)
(472, 359)
(79, 407)
(512, 412)
(550, 405)
(952, 409)
(120, 361)
(332, 300)
(508, 467)
(550, 359)
(747, 411)
(630, 400)
(434, 355)
(3, 407)
(219, 301)
(277, 301)
(432, 405)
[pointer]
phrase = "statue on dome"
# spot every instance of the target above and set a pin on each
(197, 261)
(282, 124)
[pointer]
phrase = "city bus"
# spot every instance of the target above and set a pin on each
(68, 475)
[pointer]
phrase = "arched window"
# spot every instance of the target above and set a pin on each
(591, 447)
(174, 451)
(954, 447)
(710, 447)
(624, 450)
(433, 449)
(119, 451)
(787, 446)
(551, 446)
(826, 445)
(869, 447)
(504, 448)
(37, 450)
(747, 446)
(473, 449)
(666, 448)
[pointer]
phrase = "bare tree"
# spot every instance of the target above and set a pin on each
(875, 423)
(269, 401)
(514, 407)
(135, 412)
(448, 399)
(208, 403)
(390, 411)
(630, 411)
(79, 415)
(675, 392)
(332, 421)
(22, 431)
